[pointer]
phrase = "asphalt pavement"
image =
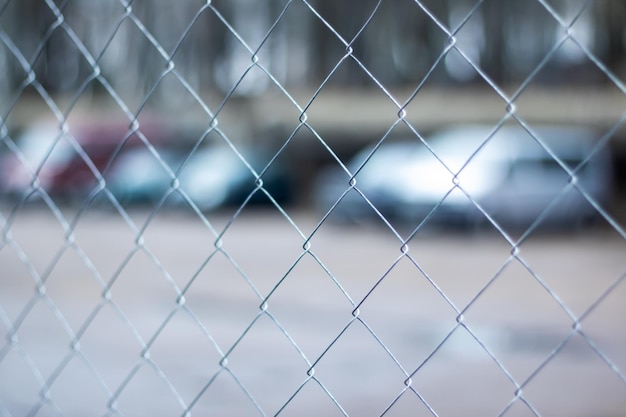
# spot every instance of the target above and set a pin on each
(264, 315)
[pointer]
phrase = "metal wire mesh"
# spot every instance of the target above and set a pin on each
(109, 309)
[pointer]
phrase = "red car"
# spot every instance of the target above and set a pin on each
(68, 164)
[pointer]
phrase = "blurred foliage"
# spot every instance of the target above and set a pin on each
(348, 43)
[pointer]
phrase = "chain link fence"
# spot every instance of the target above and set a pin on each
(188, 227)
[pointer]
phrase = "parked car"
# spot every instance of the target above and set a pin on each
(468, 171)
(213, 176)
(64, 164)
(137, 176)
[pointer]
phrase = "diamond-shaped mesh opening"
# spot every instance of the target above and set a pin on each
(285, 248)
(207, 295)
(72, 273)
(407, 320)
(192, 381)
(373, 371)
(469, 363)
(314, 208)
(169, 27)
(355, 244)
(310, 321)
(36, 30)
(564, 373)
(564, 280)
(476, 262)
(529, 330)
(132, 48)
(99, 350)
(279, 358)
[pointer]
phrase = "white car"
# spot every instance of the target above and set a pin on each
(212, 177)
(469, 174)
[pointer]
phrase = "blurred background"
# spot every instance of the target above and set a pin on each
(245, 71)
(178, 207)
(399, 46)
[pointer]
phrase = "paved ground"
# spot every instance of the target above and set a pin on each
(324, 343)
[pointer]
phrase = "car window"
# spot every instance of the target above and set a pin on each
(541, 169)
